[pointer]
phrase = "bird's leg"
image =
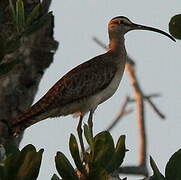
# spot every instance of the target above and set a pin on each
(79, 131)
(90, 123)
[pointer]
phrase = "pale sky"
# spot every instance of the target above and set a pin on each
(158, 69)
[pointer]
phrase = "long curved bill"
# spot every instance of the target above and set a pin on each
(141, 27)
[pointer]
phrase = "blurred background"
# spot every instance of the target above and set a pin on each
(158, 69)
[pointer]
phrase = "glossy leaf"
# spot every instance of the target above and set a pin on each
(20, 16)
(33, 15)
(175, 26)
(10, 166)
(118, 156)
(173, 167)
(23, 165)
(29, 161)
(12, 10)
(88, 136)
(64, 167)
(103, 149)
(74, 150)
(157, 175)
(38, 24)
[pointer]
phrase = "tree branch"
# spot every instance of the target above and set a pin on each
(140, 115)
(120, 115)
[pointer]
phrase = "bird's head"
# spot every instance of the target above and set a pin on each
(120, 25)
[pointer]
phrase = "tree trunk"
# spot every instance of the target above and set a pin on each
(18, 88)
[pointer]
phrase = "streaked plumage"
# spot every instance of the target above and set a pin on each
(87, 85)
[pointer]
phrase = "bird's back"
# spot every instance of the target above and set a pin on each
(81, 82)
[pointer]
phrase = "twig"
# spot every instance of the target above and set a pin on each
(121, 113)
(153, 106)
(136, 170)
(99, 43)
(162, 116)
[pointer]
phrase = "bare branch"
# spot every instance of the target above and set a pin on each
(136, 170)
(162, 116)
(153, 95)
(150, 102)
(121, 113)
(99, 43)
(140, 115)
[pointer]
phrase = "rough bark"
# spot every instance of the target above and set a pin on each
(18, 88)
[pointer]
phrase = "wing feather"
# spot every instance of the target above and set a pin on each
(83, 81)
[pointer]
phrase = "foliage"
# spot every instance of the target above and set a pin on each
(102, 160)
(175, 26)
(172, 170)
(21, 165)
(24, 26)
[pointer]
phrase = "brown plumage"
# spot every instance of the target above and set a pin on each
(86, 86)
(80, 83)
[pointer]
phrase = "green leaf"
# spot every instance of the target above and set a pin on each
(103, 150)
(173, 167)
(23, 165)
(74, 150)
(38, 24)
(55, 177)
(20, 16)
(175, 26)
(33, 15)
(30, 167)
(7, 67)
(88, 136)
(157, 175)
(12, 10)
(118, 156)
(64, 167)
(10, 166)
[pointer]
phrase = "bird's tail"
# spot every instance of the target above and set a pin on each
(26, 119)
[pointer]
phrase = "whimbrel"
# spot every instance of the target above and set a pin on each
(86, 86)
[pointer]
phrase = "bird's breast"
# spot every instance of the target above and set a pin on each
(110, 89)
(113, 86)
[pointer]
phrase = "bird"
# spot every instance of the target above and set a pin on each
(86, 86)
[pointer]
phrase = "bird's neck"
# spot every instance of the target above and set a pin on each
(118, 51)
(116, 45)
